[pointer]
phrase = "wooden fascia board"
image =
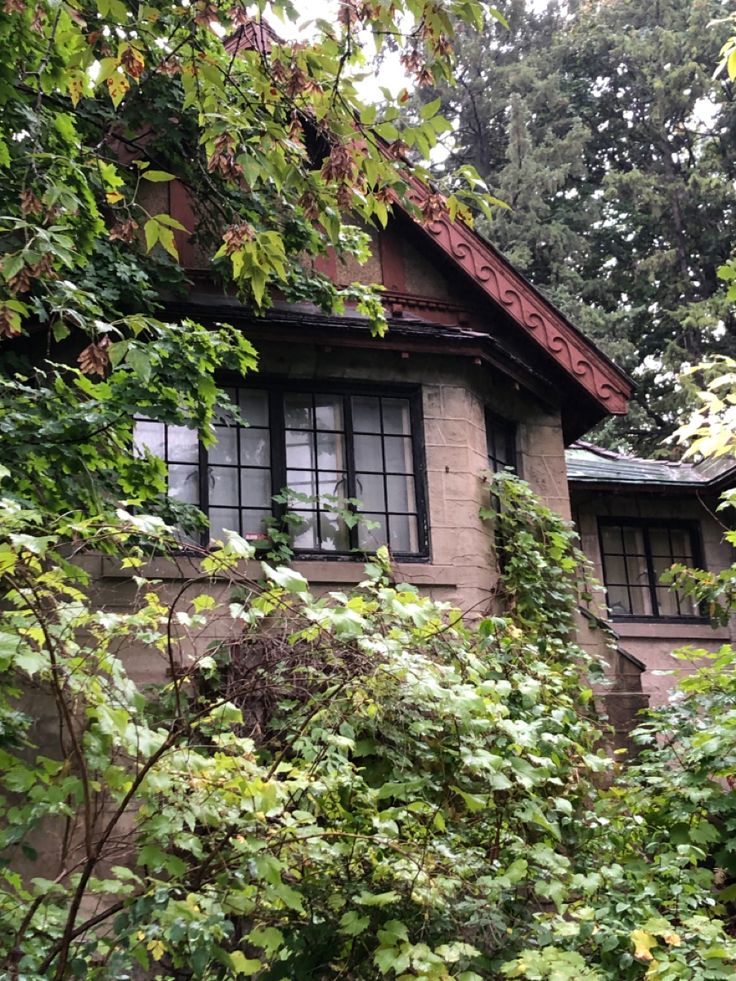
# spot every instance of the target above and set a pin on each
(545, 325)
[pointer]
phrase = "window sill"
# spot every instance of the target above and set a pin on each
(660, 628)
(317, 571)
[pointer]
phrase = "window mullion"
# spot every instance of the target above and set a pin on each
(384, 475)
(315, 471)
(277, 431)
(347, 414)
(650, 570)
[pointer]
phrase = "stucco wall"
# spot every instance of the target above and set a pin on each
(653, 641)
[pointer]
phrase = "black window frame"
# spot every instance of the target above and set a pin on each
(500, 430)
(692, 527)
(276, 389)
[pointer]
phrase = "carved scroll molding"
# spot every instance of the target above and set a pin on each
(539, 319)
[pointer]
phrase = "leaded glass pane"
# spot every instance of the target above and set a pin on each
(370, 538)
(659, 542)
(641, 601)
(616, 569)
(328, 412)
(370, 491)
(255, 448)
(184, 483)
(368, 455)
(612, 540)
(396, 417)
(255, 488)
(302, 481)
(330, 451)
(182, 445)
(401, 494)
(618, 601)
(403, 528)
(333, 483)
(366, 414)
(298, 413)
(398, 454)
(150, 435)
(633, 540)
(223, 486)
(305, 529)
(299, 449)
(222, 518)
(682, 545)
(253, 407)
(333, 532)
(667, 602)
(225, 450)
(255, 522)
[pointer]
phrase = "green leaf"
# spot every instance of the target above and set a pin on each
(151, 230)
(352, 924)
(430, 108)
(244, 965)
(157, 176)
(377, 899)
(268, 938)
(288, 579)
(140, 361)
(166, 238)
(164, 219)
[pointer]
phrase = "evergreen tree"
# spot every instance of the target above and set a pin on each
(602, 128)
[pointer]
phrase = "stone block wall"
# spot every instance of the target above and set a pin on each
(456, 392)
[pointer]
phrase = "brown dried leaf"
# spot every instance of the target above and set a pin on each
(94, 359)
(29, 203)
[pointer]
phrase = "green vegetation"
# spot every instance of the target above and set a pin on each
(602, 126)
(356, 785)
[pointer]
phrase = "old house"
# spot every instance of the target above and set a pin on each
(478, 369)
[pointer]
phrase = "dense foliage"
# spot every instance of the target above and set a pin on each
(222, 774)
(353, 786)
(111, 108)
(603, 128)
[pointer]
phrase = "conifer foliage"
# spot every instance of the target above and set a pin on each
(601, 126)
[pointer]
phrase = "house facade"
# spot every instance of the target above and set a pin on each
(636, 518)
(477, 370)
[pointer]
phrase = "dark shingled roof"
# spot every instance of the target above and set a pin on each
(588, 464)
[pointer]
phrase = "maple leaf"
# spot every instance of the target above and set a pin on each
(132, 61)
(29, 203)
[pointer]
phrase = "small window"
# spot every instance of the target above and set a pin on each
(501, 443)
(326, 446)
(634, 555)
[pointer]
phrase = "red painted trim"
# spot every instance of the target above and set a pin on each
(393, 269)
(538, 319)
(180, 207)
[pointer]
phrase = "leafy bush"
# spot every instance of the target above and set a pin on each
(355, 785)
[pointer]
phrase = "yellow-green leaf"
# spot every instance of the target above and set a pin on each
(151, 230)
(118, 86)
(244, 965)
(157, 175)
(643, 943)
